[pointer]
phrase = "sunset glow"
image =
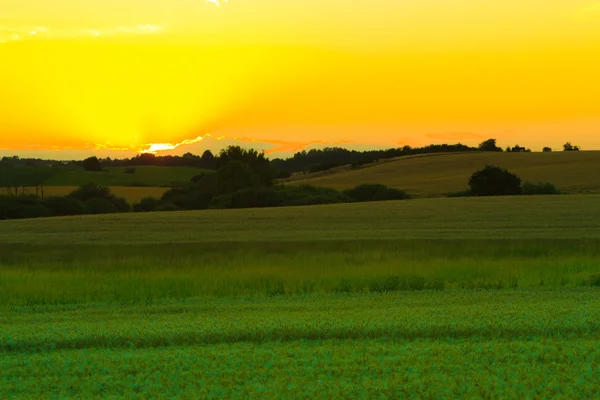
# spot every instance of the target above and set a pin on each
(159, 75)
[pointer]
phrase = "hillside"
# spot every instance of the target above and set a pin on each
(517, 217)
(438, 174)
(150, 176)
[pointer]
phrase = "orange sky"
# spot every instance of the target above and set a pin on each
(114, 77)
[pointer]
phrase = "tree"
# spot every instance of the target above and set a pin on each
(547, 150)
(489, 145)
(208, 160)
(92, 164)
(494, 181)
(519, 149)
(375, 192)
(569, 147)
(236, 175)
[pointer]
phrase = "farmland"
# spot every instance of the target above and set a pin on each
(492, 297)
(144, 176)
(439, 174)
(131, 194)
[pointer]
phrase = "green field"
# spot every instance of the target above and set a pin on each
(434, 298)
(132, 194)
(113, 176)
(439, 174)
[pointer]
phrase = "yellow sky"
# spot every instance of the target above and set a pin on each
(115, 74)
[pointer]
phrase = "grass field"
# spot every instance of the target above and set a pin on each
(440, 174)
(114, 176)
(132, 194)
(433, 298)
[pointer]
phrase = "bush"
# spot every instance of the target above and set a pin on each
(375, 192)
(94, 191)
(92, 164)
(147, 204)
(464, 193)
(98, 205)
(494, 181)
(188, 198)
(63, 206)
(121, 204)
(530, 188)
(91, 190)
(130, 170)
(16, 207)
(306, 195)
(221, 202)
(37, 210)
(255, 198)
(167, 207)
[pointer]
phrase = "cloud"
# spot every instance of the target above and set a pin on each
(273, 145)
(216, 2)
(27, 33)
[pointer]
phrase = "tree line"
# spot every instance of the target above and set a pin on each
(304, 161)
(244, 179)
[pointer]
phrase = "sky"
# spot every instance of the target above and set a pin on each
(119, 77)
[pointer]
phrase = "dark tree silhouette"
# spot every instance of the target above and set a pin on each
(489, 145)
(494, 181)
(547, 150)
(92, 164)
(569, 147)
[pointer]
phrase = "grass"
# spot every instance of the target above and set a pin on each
(132, 194)
(59, 274)
(439, 174)
(116, 176)
(433, 298)
(519, 217)
(524, 344)
(148, 176)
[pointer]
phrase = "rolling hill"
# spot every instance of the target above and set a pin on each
(439, 174)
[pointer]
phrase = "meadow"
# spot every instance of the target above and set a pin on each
(116, 176)
(144, 176)
(462, 297)
(432, 175)
(133, 194)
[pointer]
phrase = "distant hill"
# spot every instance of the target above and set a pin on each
(433, 175)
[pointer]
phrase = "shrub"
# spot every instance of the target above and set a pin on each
(305, 195)
(90, 190)
(130, 170)
(255, 198)
(147, 204)
(188, 198)
(121, 204)
(98, 205)
(494, 181)
(167, 207)
(530, 188)
(92, 164)
(93, 191)
(37, 210)
(464, 193)
(221, 202)
(62, 206)
(16, 207)
(375, 192)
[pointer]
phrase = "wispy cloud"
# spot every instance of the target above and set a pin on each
(216, 2)
(25, 33)
(276, 145)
